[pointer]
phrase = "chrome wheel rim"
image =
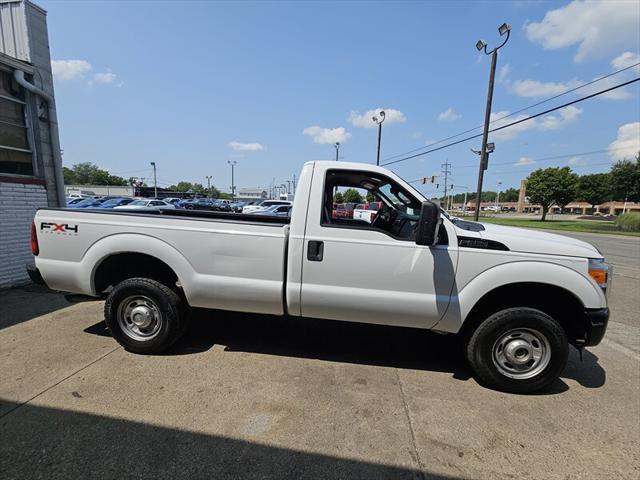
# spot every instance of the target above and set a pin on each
(521, 353)
(139, 318)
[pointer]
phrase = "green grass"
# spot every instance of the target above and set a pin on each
(587, 226)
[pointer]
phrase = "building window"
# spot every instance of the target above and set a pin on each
(16, 155)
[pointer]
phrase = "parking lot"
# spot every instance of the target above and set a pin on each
(248, 396)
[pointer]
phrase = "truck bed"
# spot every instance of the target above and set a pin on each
(222, 260)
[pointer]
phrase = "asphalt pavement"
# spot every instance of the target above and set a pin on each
(248, 396)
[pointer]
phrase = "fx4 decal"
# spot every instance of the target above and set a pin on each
(64, 228)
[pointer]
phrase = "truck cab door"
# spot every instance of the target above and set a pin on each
(372, 271)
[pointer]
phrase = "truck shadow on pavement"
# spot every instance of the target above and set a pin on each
(346, 342)
(23, 303)
(44, 442)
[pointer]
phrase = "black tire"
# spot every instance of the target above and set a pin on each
(491, 347)
(165, 306)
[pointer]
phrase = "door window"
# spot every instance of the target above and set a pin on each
(392, 209)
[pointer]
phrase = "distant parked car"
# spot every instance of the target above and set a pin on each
(344, 210)
(276, 211)
(145, 204)
(201, 204)
(84, 203)
(173, 201)
(222, 205)
(115, 202)
(74, 200)
(263, 205)
(237, 206)
(366, 211)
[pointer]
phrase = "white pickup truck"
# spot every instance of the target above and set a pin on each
(517, 298)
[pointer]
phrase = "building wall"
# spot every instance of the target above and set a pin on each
(18, 205)
(24, 45)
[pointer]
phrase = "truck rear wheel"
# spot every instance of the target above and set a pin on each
(145, 316)
(518, 350)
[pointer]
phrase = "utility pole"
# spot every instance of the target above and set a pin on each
(294, 183)
(337, 147)
(482, 45)
(155, 181)
(379, 121)
(498, 194)
(209, 177)
(233, 163)
(446, 173)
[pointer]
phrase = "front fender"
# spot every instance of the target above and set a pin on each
(463, 300)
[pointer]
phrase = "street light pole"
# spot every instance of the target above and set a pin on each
(481, 45)
(155, 181)
(209, 177)
(379, 121)
(498, 194)
(337, 146)
(233, 163)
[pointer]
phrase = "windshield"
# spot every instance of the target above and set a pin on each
(113, 201)
(139, 203)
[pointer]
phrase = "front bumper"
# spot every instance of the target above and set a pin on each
(34, 274)
(596, 321)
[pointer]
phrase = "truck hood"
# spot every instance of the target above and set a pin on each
(528, 240)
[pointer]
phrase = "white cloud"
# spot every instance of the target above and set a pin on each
(576, 161)
(449, 115)
(504, 72)
(246, 147)
(558, 120)
(525, 161)
(70, 69)
(626, 59)
(627, 144)
(366, 119)
(534, 88)
(104, 78)
(327, 135)
(565, 115)
(598, 27)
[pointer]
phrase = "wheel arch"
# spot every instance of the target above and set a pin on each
(122, 256)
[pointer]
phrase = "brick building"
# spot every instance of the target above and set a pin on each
(30, 161)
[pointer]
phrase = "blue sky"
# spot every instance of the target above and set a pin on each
(191, 85)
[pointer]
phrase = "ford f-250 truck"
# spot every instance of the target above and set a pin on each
(517, 298)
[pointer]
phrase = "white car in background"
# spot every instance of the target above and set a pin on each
(263, 205)
(145, 204)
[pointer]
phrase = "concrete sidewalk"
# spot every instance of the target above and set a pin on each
(261, 397)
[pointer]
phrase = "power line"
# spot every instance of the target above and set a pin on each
(531, 117)
(517, 111)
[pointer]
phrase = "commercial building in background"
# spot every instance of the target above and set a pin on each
(251, 194)
(30, 159)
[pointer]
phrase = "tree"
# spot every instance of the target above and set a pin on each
(625, 180)
(551, 185)
(595, 188)
(338, 197)
(371, 197)
(510, 195)
(351, 195)
(87, 173)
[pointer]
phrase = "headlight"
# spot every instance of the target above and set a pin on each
(600, 272)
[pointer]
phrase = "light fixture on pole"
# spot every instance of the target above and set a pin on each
(233, 163)
(379, 121)
(337, 147)
(155, 181)
(490, 147)
(481, 45)
(498, 194)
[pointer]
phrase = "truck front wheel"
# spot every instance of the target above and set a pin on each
(518, 350)
(144, 315)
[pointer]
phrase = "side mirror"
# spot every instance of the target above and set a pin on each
(428, 224)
